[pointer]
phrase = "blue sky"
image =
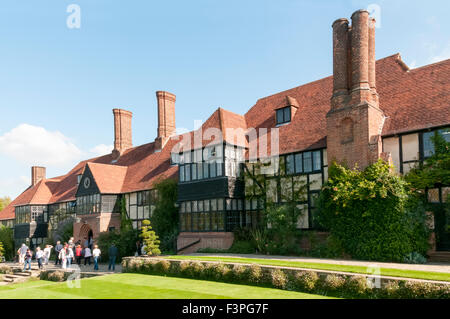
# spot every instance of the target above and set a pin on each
(59, 85)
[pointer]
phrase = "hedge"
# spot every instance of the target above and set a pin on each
(338, 285)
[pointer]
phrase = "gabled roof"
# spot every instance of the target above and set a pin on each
(109, 178)
(411, 100)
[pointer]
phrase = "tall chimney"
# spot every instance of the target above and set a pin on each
(37, 174)
(360, 89)
(166, 118)
(372, 73)
(355, 120)
(122, 131)
(340, 62)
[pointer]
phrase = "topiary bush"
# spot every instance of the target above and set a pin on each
(255, 274)
(373, 214)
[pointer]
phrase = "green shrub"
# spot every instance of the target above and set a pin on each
(278, 278)
(373, 213)
(306, 280)
(333, 283)
(7, 240)
(195, 269)
(162, 266)
(183, 268)
(216, 271)
(57, 276)
(357, 285)
(242, 247)
(391, 290)
(420, 290)
(239, 273)
(415, 258)
(125, 241)
(255, 274)
(148, 266)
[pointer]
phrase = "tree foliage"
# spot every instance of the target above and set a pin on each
(150, 239)
(7, 239)
(165, 217)
(435, 170)
(373, 213)
(4, 201)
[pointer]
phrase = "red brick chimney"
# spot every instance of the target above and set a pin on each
(37, 174)
(355, 120)
(166, 118)
(122, 131)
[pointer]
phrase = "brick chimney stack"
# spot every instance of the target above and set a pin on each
(122, 131)
(166, 118)
(37, 174)
(355, 120)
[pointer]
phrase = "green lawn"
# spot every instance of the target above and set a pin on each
(345, 268)
(130, 286)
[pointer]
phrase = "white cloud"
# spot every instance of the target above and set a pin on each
(101, 149)
(13, 186)
(34, 145)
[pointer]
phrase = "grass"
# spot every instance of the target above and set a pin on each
(136, 286)
(428, 275)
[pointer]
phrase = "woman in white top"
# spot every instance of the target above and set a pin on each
(62, 256)
(47, 252)
(39, 255)
(96, 253)
(69, 256)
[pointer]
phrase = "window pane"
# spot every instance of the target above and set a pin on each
(181, 173)
(287, 114)
(220, 204)
(200, 206)
(290, 164)
(214, 204)
(212, 167)
(317, 162)
(298, 163)
(307, 162)
(219, 169)
(206, 202)
(205, 170)
(213, 221)
(200, 170)
(280, 116)
(428, 146)
(187, 172)
(194, 171)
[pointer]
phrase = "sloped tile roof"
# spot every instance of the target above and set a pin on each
(411, 99)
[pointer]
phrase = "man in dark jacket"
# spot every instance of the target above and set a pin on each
(58, 248)
(113, 252)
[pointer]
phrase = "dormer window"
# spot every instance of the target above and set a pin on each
(283, 115)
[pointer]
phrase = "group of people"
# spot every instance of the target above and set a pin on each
(67, 254)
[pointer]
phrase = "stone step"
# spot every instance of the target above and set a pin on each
(440, 256)
(23, 274)
(8, 279)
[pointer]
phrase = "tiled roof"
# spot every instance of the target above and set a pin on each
(411, 100)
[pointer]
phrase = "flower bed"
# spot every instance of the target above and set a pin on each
(310, 281)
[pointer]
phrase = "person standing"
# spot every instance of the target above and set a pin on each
(58, 249)
(96, 253)
(87, 255)
(138, 248)
(47, 252)
(78, 254)
(91, 242)
(27, 259)
(69, 255)
(86, 242)
(39, 256)
(113, 252)
(22, 252)
(62, 257)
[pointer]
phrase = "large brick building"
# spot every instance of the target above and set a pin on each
(367, 110)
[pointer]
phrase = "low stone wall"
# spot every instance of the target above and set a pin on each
(326, 282)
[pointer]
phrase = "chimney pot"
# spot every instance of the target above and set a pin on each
(122, 131)
(37, 174)
(166, 117)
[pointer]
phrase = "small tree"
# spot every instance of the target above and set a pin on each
(7, 240)
(150, 239)
(2, 252)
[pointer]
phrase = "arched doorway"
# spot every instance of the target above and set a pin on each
(86, 234)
